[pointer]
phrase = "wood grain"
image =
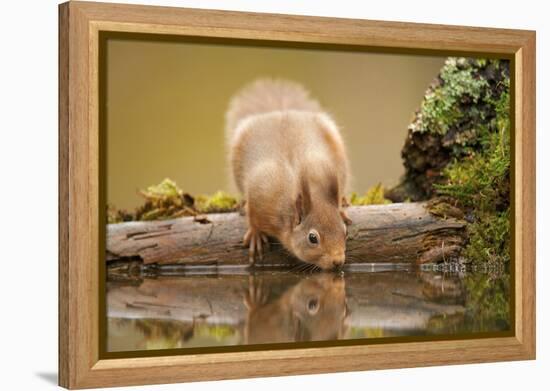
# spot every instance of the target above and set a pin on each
(80, 23)
(64, 280)
(406, 233)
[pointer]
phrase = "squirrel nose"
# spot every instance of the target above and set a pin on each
(338, 263)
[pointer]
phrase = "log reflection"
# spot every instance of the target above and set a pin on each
(273, 307)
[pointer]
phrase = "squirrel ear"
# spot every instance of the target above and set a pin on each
(303, 202)
(334, 190)
(298, 211)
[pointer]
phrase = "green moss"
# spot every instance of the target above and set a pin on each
(480, 182)
(441, 107)
(488, 299)
(218, 202)
(166, 190)
(167, 201)
(489, 238)
(164, 201)
(443, 207)
(458, 111)
(217, 332)
(458, 148)
(373, 196)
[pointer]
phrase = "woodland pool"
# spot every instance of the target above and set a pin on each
(221, 307)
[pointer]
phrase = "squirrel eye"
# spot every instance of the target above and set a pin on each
(313, 237)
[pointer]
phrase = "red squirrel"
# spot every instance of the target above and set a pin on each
(290, 164)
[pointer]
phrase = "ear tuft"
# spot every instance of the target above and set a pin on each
(334, 190)
(303, 201)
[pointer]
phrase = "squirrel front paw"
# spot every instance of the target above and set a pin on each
(256, 296)
(255, 241)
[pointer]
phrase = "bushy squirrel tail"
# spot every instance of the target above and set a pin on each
(264, 96)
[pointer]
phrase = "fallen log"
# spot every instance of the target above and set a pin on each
(395, 233)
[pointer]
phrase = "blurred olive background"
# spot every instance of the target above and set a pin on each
(166, 104)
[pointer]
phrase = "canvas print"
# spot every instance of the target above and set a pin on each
(268, 195)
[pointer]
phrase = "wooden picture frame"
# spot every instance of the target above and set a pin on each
(80, 24)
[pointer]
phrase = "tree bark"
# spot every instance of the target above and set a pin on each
(394, 233)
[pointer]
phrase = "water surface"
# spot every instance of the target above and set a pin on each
(234, 307)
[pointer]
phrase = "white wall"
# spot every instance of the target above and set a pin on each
(28, 193)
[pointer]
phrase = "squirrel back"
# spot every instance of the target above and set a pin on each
(265, 96)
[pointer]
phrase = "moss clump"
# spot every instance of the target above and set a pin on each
(373, 196)
(218, 202)
(458, 148)
(445, 207)
(457, 111)
(480, 182)
(167, 201)
(442, 105)
(164, 201)
(165, 190)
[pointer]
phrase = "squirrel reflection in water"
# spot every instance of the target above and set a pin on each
(314, 309)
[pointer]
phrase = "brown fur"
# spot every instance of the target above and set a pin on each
(315, 309)
(290, 164)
